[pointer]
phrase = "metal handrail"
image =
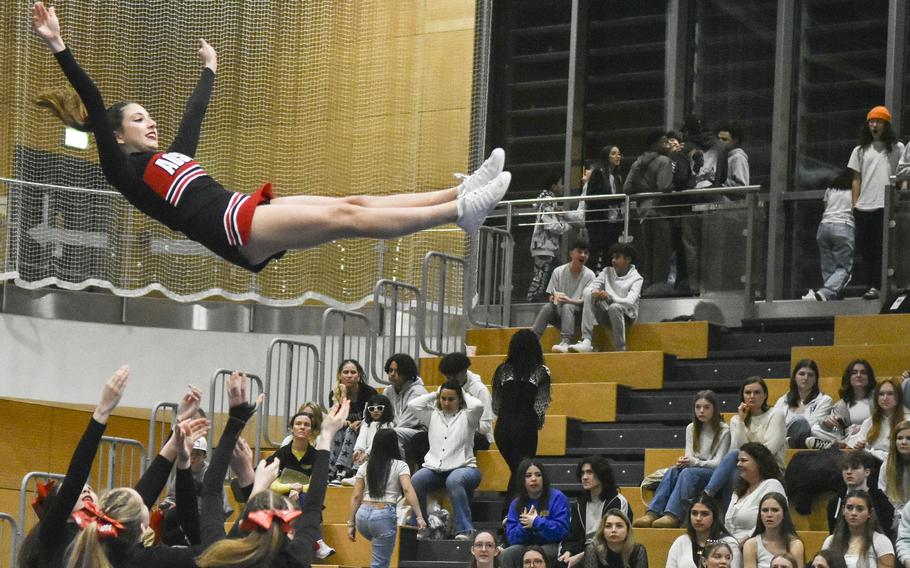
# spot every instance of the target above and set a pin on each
(290, 381)
(14, 539)
(113, 443)
(222, 375)
(323, 352)
(491, 262)
(159, 425)
(391, 312)
(424, 282)
(23, 494)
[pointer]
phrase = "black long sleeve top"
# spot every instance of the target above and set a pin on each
(170, 186)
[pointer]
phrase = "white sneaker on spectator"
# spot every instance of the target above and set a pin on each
(561, 347)
(814, 443)
(810, 295)
(583, 346)
(348, 482)
(324, 550)
(871, 294)
(486, 173)
(473, 207)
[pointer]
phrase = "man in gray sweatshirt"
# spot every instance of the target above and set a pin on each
(406, 386)
(731, 134)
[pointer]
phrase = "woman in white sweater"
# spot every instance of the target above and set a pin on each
(894, 477)
(451, 416)
(759, 474)
(888, 410)
(848, 414)
(804, 405)
(704, 524)
(754, 422)
(707, 442)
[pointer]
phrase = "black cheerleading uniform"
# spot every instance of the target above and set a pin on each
(171, 187)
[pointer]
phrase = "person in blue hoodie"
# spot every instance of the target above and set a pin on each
(538, 516)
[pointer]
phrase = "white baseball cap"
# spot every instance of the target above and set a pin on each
(201, 444)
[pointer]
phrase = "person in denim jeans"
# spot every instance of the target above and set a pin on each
(451, 416)
(836, 241)
(707, 442)
(374, 513)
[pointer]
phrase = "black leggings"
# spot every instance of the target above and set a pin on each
(516, 440)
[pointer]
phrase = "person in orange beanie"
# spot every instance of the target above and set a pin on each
(873, 161)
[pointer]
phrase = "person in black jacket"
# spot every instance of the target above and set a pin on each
(856, 467)
(600, 495)
(174, 189)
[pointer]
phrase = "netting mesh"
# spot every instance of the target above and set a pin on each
(325, 98)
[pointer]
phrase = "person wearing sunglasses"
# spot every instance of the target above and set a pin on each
(379, 415)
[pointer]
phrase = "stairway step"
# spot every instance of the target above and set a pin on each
(744, 340)
(754, 354)
(659, 401)
(668, 419)
(458, 550)
(708, 372)
(626, 436)
(821, 323)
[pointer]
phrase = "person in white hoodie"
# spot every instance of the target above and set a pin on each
(803, 406)
(611, 299)
(455, 368)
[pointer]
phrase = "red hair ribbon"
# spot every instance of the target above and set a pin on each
(107, 527)
(262, 519)
(42, 490)
(156, 520)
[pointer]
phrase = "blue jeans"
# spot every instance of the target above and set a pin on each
(381, 527)
(459, 483)
(724, 478)
(677, 487)
(835, 249)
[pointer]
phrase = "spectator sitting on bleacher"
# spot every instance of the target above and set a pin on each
(538, 516)
(786, 560)
(352, 383)
(704, 524)
(848, 414)
(774, 534)
(894, 476)
(902, 544)
(484, 551)
(549, 225)
(827, 559)
(856, 467)
(888, 411)
(718, 555)
(611, 299)
(804, 405)
(759, 474)
(855, 536)
(753, 423)
(599, 495)
(566, 289)
(454, 366)
(406, 386)
(451, 416)
(707, 442)
(614, 544)
(379, 416)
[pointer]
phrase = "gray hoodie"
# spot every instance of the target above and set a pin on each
(404, 416)
(737, 168)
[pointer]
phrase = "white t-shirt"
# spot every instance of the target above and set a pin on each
(742, 513)
(392, 485)
(881, 546)
(838, 207)
(875, 166)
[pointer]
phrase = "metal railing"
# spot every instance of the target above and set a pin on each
(442, 311)
(161, 422)
(397, 328)
(219, 407)
(291, 370)
(343, 345)
(491, 277)
(9, 537)
(24, 495)
(121, 462)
